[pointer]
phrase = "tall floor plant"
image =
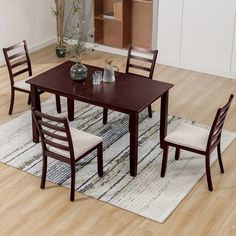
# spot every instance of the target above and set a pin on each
(63, 21)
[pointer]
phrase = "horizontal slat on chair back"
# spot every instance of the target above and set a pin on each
(16, 57)
(21, 44)
(18, 63)
(55, 134)
(141, 59)
(56, 145)
(20, 72)
(217, 126)
(49, 132)
(140, 67)
(51, 126)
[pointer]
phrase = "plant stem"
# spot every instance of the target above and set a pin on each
(57, 21)
(78, 58)
(62, 12)
(68, 18)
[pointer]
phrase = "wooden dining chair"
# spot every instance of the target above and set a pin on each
(198, 140)
(139, 60)
(18, 62)
(66, 144)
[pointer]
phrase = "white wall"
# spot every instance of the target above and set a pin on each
(1, 28)
(233, 64)
(26, 19)
(198, 35)
(169, 31)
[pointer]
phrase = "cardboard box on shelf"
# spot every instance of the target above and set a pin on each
(118, 10)
(108, 15)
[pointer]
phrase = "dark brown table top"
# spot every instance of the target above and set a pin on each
(129, 93)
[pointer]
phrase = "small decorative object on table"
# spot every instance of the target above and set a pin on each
(78, 72)
(76, 38)
(109, 75)
(97, 77)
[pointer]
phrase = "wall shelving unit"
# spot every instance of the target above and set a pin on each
(121, 22)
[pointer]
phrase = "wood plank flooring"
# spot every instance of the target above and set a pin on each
(25, 209)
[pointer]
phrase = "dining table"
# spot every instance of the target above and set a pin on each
(129, 94)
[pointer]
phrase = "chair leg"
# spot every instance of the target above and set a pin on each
(105, 113)
(129, 124)
(29, 99)
(208, 173)
(177, 153)
(12, 101)
(220, 159)
(164, 161)
(44, 172)
(70, 109)
(72, 188)
(150, 111)
(58, 103)
(100, 160)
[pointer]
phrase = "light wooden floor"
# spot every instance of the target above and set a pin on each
(25, 209)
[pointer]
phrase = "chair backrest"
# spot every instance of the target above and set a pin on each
(56, 129)
(217, 126)
(141, 59)
(17, 60)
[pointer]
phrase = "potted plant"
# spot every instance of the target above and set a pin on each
(63, 22)
(76, 39)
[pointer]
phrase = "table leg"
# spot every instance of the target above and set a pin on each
(70, 109)
(133, 143)
(105, 114)
(35, 104)
(58, 103)
(164, 117)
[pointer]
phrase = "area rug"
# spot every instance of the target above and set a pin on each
(146, 194)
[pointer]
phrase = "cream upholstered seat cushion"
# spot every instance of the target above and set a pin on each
(22, 85)
(82, 142)
(188, 135)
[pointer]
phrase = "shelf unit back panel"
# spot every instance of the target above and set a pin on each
(141, 26)
(110, 35)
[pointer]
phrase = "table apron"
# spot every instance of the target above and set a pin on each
(83, 99)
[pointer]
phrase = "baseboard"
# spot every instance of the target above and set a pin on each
(102, 48)
(33, 48)
(225, 74)
(42, 44)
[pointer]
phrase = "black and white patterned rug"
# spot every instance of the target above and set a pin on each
(146, 194)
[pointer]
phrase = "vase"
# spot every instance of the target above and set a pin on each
(61, 52)
(78, 72)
